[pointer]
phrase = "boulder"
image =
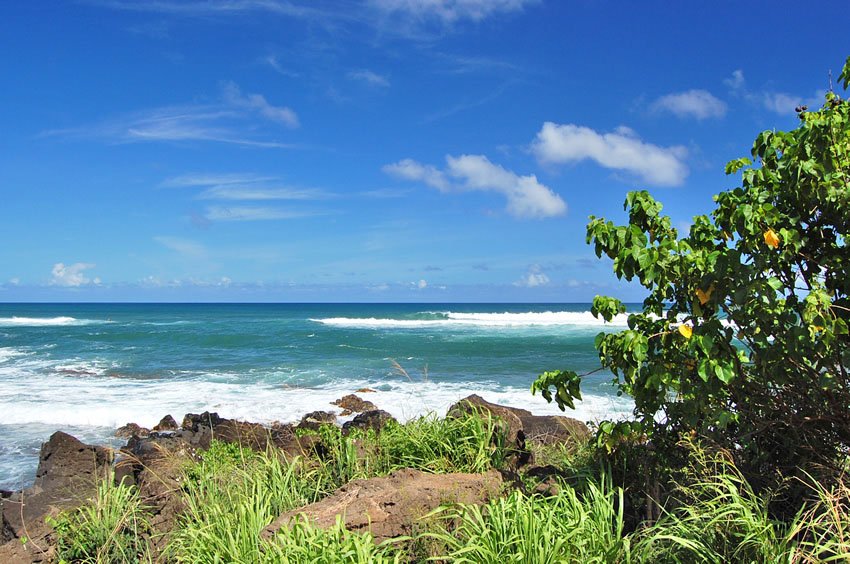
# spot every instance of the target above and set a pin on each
(131, 430)
(315, 419)
(167, 423)
(522, 427)
(374, 419)
(552, 429)
(389, 506)
(353, 404)
(68, 474)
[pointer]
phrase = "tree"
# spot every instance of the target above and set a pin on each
(743, 335)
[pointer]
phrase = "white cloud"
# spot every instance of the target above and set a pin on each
(409, 169)
(274, 63)
(421, 285)
(183, 246)
(256, 102)
(14, 281)
(534, 278)
(736, 81)
(526, 196)
(620, 150)
(698, 104)
(248, 213)
(369, 77)
(449, 11)
(72, 275)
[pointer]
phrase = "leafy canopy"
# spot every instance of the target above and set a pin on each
(743, 334)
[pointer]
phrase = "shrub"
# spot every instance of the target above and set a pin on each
(743, 335)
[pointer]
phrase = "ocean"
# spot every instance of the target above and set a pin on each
(90, 368)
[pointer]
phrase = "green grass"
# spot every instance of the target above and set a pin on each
(109, 528)
(571, 526)
(231, 494)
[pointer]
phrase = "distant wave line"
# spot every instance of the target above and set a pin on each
(525, 319)
(45, 321)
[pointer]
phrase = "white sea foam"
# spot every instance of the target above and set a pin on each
(45, 321)
(577, 319)
(8, 353)
(62, 400)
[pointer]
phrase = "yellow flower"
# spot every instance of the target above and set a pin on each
(704, 296)
(771, 238)
(686, 331)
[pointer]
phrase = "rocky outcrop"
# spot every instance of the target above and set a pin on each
(315, 419)
(131, 430)
(390, 506)
(521, 426)
(353, 404)
(68, 474)
(167, 423)
(374, 420)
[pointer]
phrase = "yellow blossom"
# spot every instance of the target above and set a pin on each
(686, 331)
(771, 238)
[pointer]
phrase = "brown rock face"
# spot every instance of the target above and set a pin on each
(131, 430)
(167, 423)
(68, 474)
(353, 404)
(315, 419)
(522, 426)
(389, 506)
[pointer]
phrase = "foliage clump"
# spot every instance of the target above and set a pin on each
(743, 335)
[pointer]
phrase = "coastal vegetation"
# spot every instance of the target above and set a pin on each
(738, 451)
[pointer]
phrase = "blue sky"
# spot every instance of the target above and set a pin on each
(374, 150)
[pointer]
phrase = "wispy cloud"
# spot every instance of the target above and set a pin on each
(771, 100)
(274, 63)
(448, 11)
(242, 186)
(369, 77)
(233, 121)
(72, 275)
(213, 179)
(252, 213)
(621, 149)
(527, 197)
(698, 104)
(257, 103)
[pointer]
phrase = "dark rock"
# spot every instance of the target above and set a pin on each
(193, 422)
(68, 474)
(167, 423)
(366, 391)
(315, 419)
(131, 430)
(374, 419)
(353, 404)
(389, 506)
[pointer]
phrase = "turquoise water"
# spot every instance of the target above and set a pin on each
(89, 368)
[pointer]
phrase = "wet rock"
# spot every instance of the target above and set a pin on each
(167, 423)
(366, 391)
(131, 430)
(389, 506)
(374, 419)
(353, 404)
(315, 419)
